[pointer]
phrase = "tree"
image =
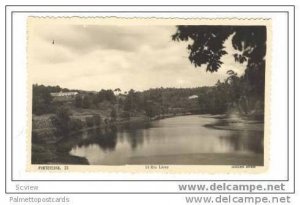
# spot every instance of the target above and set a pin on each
(97, 119)
(131, 99)
(106, 95)
(113, 114)
(41, 100)
(117, 91)
(62, 120)
(78, 101)
(151, 108)
(86, 101)
(207, 48)
(249, 42)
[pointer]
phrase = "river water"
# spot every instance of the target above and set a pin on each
(176, 140)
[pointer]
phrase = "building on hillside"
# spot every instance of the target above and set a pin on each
(63, 96)
(193, 97)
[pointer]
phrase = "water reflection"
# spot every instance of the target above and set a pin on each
(106, 139)
(165, 141)
(243, 141)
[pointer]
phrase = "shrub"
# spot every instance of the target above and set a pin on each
(62, 120)
(125, 115)
(76, 124)
(89, 121)
(113, 114)
(97, 120)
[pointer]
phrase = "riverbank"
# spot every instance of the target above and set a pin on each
(43, 130)
(181, 133)
(49, 154)
(236, 123)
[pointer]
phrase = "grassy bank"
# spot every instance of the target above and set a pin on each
(237, 122)
(50, 154)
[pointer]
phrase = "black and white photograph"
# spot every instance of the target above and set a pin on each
(145, 102)
(114, 94)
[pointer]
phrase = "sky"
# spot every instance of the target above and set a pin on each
(95, 57)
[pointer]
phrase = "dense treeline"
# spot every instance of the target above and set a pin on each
(42, 101)
(152, 102)
(206, 47)
(227, 96)
(232, 95)
(244, 94)
(92, 99)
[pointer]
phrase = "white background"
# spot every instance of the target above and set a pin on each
(278, 139)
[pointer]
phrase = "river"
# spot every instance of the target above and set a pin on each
(178, 140)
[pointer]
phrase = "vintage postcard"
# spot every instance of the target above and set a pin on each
(171, 95)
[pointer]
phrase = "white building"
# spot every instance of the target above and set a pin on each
(64, 94)
(193, 97)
